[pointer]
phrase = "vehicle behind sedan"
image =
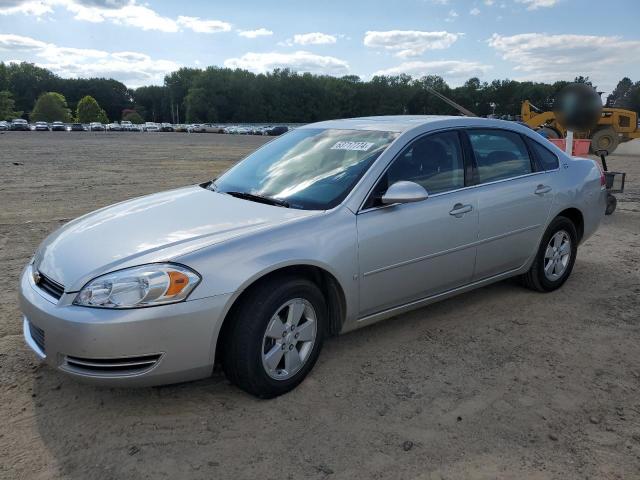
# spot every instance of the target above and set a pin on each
(19, 124)
(277, 130)
(75, 127)
(328, 228)
(58, 127)
(41, 127)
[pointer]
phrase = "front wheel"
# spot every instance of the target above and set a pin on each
(555, 257)
(276, 336)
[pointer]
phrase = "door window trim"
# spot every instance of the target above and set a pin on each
(533, 162)
(470, 164)
(466, 159)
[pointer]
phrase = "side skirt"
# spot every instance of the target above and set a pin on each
(407, 307)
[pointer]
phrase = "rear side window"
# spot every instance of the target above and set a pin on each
(547, 160)
(499, 154)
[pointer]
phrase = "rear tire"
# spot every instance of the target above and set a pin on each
(612, 203)
(266, 352)
(555, 258)
(605, 139)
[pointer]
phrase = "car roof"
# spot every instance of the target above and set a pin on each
(403, 123)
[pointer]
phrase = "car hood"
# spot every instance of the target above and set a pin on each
(149, 229)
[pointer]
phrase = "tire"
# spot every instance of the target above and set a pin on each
(536, 278)
(612, 203)
(605, 139)
(254, 333)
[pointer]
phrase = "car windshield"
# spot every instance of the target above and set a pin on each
(308, 168)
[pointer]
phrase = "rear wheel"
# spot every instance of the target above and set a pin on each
(276, 337)
(605, 139)
(555, 258)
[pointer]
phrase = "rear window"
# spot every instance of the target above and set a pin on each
(499, 154)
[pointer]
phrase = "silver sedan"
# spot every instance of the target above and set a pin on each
(331, 227)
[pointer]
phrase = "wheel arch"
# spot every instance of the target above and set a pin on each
(329, 285)
(576, 217)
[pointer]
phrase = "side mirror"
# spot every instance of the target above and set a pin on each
(404, 192)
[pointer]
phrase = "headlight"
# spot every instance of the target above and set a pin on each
(145, 286)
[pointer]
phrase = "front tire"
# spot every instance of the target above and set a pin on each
(275, 337)
(555, 258)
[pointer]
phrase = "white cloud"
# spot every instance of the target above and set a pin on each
(203, 26)
(260, 32)
(131, 15)
(31, 7)
(300, 61)
(18, 43)
(451, 70)
(314, 38)
(409, 43)
(131, 68)
(488, 3)
(474, 11)
(120, 12)
(543, 57)
(451, 16)
(535, 4)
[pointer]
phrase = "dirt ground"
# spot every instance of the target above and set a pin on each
(501, 382)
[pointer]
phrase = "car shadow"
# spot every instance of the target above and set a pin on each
(200, 429)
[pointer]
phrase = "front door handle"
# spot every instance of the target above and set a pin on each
(542, 189)
(460, 209)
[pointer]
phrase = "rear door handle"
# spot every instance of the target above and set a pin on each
(542, 189)
(460, 209)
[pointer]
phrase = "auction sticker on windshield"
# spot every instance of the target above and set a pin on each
(358, 146)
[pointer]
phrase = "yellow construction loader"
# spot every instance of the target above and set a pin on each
(615, 126)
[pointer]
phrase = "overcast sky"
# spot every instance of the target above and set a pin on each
(139, 42)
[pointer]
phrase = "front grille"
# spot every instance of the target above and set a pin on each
(112, 366)
(49, 286)
(37, 334)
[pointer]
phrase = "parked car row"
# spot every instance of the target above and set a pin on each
(271, 130)
(127, 126)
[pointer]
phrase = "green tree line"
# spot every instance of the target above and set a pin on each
(224, 95)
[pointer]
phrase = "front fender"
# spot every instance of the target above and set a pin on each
(327, 241)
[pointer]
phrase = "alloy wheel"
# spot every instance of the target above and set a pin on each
(557, 255)
(289, 339)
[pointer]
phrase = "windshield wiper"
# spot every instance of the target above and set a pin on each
(259, 198)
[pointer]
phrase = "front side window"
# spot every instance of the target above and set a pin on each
(435, 162)
(308, 168)
(499, 155)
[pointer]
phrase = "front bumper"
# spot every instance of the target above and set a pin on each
(134, 347)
